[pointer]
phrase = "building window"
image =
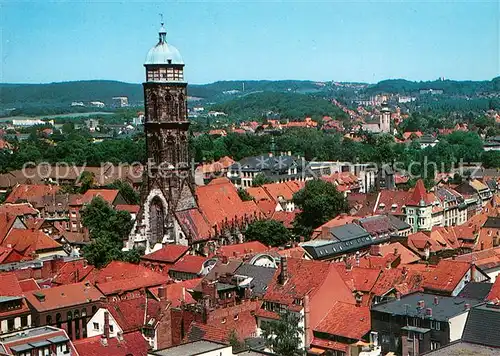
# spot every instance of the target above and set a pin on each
(96, 326)
(24, 321)
(111, 328)
(435, 345)
(435, 325)
(49, 319)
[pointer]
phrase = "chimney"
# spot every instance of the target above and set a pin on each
(106, 325)
(482, 245)
(307, 322)
(302, 239)
(375, 250)
(396, 252)
(162, 293)
(225, 259)
(436, 300)
(466, 306)
(428, 312)
(283, 276)
(359, 299)
(398, 296)
(473, 272)
(405, 271)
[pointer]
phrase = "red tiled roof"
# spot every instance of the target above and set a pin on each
(132, 344)
(108, 195)
(189, 264)
(118, 277)
(389, 202)
(488, 258)
(446, 275)
(29, 285)
(279, 190)
(195, 224)
(72, 272)
(305, 277)
(220, 203)
(27, 242)
(266, 206)
(259, 193)
(221, 322)
(357, 278)
(339, 220)
(9, 255)
(285, 217)
(18, 209)
(330, 345)
(217, 166)
(420, 194)
(30, 192)
(168, 253)
(243, 249)
(403, 280)
(9, 287)
(177, 293)
(494, 294)
(63, 296)
(129, 313)
(407, 256)
(6, 223)
(346, 320)
(132, 209)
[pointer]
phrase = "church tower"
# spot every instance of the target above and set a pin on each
(168, 182)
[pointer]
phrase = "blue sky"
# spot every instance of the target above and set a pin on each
(330, 40)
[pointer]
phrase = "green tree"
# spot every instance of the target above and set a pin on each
(127, 192)
(260, 179)
(244, 195)
(269, 232)
(85, 181)
(283, 336)
(235, 342)
(319, 202)
(108, 229)
(491, 159)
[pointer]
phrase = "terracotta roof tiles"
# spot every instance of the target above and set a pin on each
(132, 344)
(346, 320)
(168, 253)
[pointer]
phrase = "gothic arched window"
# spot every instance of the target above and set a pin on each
(156, 221)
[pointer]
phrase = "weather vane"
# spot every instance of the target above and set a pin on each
(161, 18)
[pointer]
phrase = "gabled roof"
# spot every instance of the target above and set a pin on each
(358, 278)
(406, 255)
(195, 224)
(243, 249)
(108, 195)
(446, 276)
(9, 287)
(8, 255)
(402, 280)
(27, 241)
(72, 272)
(494, 294)
(132, 209)
(168, 254)
(305, 277)
(30, 192)
(346, 320)
(131, 344)
(189, 264)
(118, 277)
(220, 203)
(419, 195)
(18, 209)
(476, 290)
(63, 296)
(178, 293)
(482, 326)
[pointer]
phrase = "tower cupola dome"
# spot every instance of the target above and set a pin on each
(163, 53)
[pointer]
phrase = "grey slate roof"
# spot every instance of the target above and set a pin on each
(492, 222)
(324, 249)
(483, 326)
(463, 349)
(397, 223)
(476, 290)
(446, 308)
(348, 232)
(260, 163)
(262, 276)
